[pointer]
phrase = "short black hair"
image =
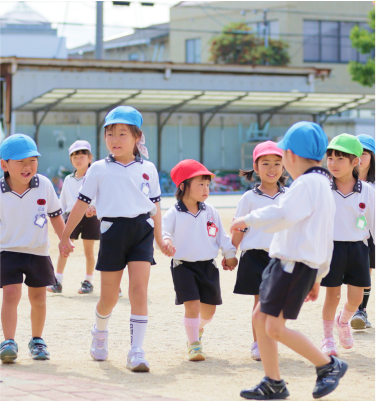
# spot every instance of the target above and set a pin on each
(6, 173)
(350, 156)
(187, 183)
(371, 170)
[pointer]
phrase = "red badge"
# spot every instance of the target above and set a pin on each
(362, 205)
(145, 176)
(41, 201)
(212, 229)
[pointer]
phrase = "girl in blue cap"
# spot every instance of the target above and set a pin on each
(26, 199)
(127, 192)
(366, 173)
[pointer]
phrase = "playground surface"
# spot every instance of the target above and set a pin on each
(71, 374)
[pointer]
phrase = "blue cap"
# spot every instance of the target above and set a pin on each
(124, 115)
(367, 142)
(305, 139)
(17, 147)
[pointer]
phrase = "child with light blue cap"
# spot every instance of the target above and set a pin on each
(300, 252)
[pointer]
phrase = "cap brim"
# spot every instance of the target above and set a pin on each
(342, 149)
(197, 174)
(269, 153)
(25, 155)
(281, 145)
(119, 121)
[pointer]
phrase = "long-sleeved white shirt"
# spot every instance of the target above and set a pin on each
(196, 237)
(303, 222)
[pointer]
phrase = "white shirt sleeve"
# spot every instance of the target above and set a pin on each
(89, 188)
(370, 213)
(53, 205)
(168, 224)
(224, 240)
(63, 198)
(155, 189)
(276, 218)
(243, 207)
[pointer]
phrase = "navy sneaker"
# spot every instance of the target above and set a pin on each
(86, 287)
(8, 351)
(359, 320)
(328, 377)
(267, 389)
(56, 288)
(38, 349)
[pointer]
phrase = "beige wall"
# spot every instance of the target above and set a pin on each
(290, 16)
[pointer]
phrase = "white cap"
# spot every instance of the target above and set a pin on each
(79, 145)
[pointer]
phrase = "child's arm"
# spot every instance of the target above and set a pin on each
(237, 237)
(225, 244)
(371, 212)
(162, 244)
(58, 225)
(168, 228)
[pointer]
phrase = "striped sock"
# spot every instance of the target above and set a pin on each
(101, 321)
(138, 326)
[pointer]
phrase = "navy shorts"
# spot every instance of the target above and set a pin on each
(126, 240)
(196, 281)
(371, 247)
(282, 291)
(88, 227)
(350, 265)
(38, 270)
(251, 266)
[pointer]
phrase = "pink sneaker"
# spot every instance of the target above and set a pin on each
(345, 337)
(328, 346)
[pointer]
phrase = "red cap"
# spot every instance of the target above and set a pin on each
(266, 148)
(187, 169)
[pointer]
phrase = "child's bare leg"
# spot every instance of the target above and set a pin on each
(207, 311)
(139, 273)
(37, 298)
(11, 298)
(268, 347)
(332, 298)
(354, 297)
(253, 327)
(192, 309)
(276, 329)
(110, 282)
(61, 263)
(89, 255)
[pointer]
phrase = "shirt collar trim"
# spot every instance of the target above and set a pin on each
(180, 207)
(319, 170)
(357, 187)
(34, 183)
(281, 189)
(110, 159)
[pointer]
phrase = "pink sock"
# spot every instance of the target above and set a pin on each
(204, 322)
(346, 315)
(328, 328)
(191, 328)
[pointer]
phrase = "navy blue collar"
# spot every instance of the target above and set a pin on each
(357, 187)
(319, 170)
(110, 158)
(281, 189)
(34, 183)
(180, 207)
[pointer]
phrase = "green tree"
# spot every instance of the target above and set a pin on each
(237, 44)
(364, 41)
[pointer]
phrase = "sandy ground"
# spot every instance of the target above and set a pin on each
(227, 340)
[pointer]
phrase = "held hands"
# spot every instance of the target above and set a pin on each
(314, 293)
(238, 224)
(91, 211)
(65, 247)
(229, 264)
(167, 247)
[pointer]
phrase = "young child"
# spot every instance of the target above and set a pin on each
(127, 193)
(354, 220)
(26, 199)
(195, 229)
(89, 227)
(366, 173)
(301, 250)
(254, 244)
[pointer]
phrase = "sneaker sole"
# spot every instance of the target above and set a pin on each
(142, 367)
(54, 292)
(8, 356)
(256, 358)
(197, 358)
(335, 385)
(84, 292)
(40, 357)
(99, 360)
(358, 324)
(273, 396)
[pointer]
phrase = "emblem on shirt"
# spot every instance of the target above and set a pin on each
(40, 218)
(212, 228)
(361, 221)
(145, 187)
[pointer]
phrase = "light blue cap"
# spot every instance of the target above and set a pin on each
(305, 139)
(367, 142)
(124, 115)
(17, 147)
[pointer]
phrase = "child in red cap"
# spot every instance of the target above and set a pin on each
(195, 229)
(254, 243)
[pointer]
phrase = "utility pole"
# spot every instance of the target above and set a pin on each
(266, 42)
(99, 32)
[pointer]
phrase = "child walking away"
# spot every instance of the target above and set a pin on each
(127, 193)
(255, 244)
(301, 250)
(366, 173)
(195, 229)
(354, 220)
(26, 199)
(80, 157)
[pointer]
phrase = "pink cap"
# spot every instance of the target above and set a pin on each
(266, 148)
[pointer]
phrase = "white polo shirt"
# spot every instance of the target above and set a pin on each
(252, 200)
(303, 222)
(198, 236)
(348, 211)
(121, 190)
(69, 192)
(23, 218)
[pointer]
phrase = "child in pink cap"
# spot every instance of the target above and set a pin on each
(254, 243)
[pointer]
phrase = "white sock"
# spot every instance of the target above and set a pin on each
(89, 277)
(59, 277)
(101, 321)
(138, 329)
(191, 328)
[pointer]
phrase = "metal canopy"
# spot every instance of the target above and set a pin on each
(165, 101)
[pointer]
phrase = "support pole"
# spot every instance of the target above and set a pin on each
(99, 32)
(98, 138)
(202, 134)
(159, 142)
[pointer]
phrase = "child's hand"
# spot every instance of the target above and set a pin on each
(314, 293)
(65, 247)
(169, 249)
(229, 264)
(90, 212)
(238, 224)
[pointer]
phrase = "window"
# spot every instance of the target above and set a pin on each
(133, 56)
(193, 51)
(272, 28)
(329, 41)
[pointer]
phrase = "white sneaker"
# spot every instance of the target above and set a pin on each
(136, 361)
(99, 345)
(328, 346)
(255, 353)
